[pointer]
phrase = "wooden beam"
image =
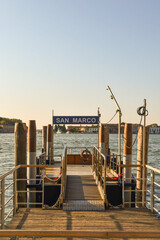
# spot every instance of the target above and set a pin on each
(71, 233)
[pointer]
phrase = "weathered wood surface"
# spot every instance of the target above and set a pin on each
(133, 220)
(81, 188)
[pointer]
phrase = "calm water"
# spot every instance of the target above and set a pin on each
(72, 140)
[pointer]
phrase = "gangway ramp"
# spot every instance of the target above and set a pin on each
(82, 193)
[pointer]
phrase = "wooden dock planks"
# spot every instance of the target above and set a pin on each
(81, 188)
(82, 193)
(134, 220)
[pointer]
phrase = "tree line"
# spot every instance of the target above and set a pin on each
(9, 121)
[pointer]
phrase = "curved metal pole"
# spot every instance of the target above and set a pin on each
(119, 126)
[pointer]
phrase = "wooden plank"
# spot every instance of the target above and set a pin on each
(81, 188)
(69, 233)
(110, 220)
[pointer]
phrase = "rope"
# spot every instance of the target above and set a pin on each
(112, 118)
(123, 138)
(54, 179)
(114, 177)
(142, 111)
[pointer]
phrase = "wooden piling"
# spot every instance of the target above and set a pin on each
(52, 149)
(104, 138)
(44, 138)
(127, 160)
(32, 158)
(50, 142)
(21, 159)
(146, 159)
(140, 162)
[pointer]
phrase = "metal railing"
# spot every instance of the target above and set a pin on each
(99, 166)
(45, 159)
(77, 150)
(7, 201)
(132, 190)
(113, 163)
(9, 194)
(64, 176)
(9, 191)
(138, 191)
(153, 189)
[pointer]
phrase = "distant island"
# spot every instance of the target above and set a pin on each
(7, 124)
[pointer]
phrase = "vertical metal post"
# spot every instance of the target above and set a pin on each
(119, 139)
(144, 155)
(105, 164)
(123, 203)
(119, 126)
(93, 159)
(52, 137)
(96, 163)
(99, 115)
(113, 162)
(116, 163)
(152, 191)
(101, 161)
(14, 192)
(2, 203)
(43, 188)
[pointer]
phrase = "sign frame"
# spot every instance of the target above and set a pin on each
(76, 120)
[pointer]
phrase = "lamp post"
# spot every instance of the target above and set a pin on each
(119, 125)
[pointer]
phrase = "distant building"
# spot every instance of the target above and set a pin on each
(83, 129)
(6, 128)
(75, 129)
(155, 129)
(91, 129)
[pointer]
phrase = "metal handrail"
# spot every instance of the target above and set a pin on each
(11, 204)
(154, 197)
(153, 185)
(79, 148)
(99, 166)
(150, 183)
(43, 157)
(64, 176)
(153, 169)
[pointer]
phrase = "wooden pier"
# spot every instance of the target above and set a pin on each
(73, 200)
(112, 220)
(83, 212)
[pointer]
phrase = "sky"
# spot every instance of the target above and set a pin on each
(62, 54)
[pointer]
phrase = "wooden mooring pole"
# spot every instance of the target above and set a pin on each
(104, 138)
(140, 162)
(44, 138)
(32, 159)
(127, 160)
(20, 133)
(50, 143)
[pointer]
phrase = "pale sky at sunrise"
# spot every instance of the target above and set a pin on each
(62, 54)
